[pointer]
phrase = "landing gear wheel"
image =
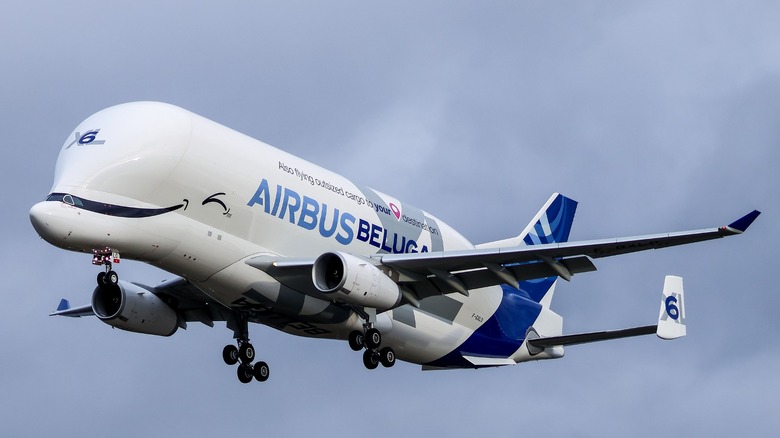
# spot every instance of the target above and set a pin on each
(245, 373)
(387, 357)
(356, 340)
(246, 353)
(373, 338)
(101, 278)
(230, 354)
(371, 359)
(261, 371)
(111, 278)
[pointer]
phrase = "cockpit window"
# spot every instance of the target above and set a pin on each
(109, 209)
(72, 200)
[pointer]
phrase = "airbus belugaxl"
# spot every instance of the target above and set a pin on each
(256, 235)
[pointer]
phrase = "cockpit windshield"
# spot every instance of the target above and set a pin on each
(110, 209)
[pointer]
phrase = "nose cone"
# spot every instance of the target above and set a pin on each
(52, 222)
(39, 218)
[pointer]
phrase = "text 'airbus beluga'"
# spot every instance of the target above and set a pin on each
(257, 235)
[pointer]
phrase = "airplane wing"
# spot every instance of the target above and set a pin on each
(471, 259)
(64, 309)
(190, 302)
(434, 273)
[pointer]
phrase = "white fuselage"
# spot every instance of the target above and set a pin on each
(239, 198)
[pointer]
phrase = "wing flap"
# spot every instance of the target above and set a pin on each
(485, 277)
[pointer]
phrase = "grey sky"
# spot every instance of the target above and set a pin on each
(655, 115)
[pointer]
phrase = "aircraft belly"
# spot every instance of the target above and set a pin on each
(243, 287)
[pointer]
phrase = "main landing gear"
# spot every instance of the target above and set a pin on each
(106, 257)
(244, 353)
(371, 340)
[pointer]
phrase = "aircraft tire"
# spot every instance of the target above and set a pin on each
(261, 371)
(111, 278)
(245, 373)
(373, 338)
(356, 340)
(387, 357)
(370, 359)
(230, 354)
(246, 353)
(101, 278)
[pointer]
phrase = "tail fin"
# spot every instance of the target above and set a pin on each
(552, 224)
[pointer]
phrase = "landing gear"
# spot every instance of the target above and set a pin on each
(244, 353)
(106, 257)
(371, 339)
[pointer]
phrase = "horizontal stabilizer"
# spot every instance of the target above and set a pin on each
(481, 361)
(671, 322)
(64, 309)
(584, 338)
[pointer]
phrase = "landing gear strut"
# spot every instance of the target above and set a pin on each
(106, 257)
(371, 339)
(244, 353)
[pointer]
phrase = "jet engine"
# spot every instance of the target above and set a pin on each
(347, 278)
(130, 307)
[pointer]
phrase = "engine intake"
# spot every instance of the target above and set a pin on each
(130, 307)
(354, 280)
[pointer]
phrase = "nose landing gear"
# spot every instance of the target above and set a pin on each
(106, 257)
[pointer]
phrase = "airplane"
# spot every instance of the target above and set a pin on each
(256, 235)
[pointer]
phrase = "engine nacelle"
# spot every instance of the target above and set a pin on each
(354, 280)
(130, 307)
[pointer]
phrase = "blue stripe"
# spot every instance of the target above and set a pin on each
(501, 335)
(560, 216)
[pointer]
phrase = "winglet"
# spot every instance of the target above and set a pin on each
(64, 305)
(671, 318)
(741, 225)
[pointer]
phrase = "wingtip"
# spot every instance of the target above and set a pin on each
(64, 305)
(741, 225)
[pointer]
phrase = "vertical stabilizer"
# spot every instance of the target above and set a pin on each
(552, 224)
